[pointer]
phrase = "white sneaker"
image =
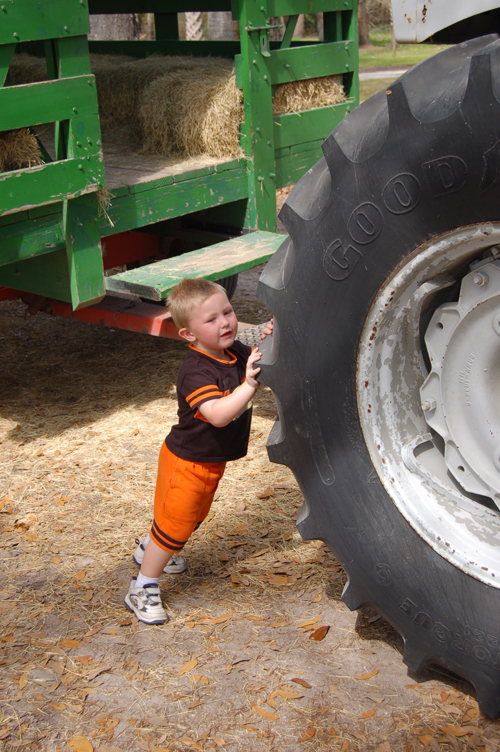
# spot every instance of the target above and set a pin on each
(175, 565)
(145, 602)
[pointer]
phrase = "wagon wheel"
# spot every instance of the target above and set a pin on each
(386, 356)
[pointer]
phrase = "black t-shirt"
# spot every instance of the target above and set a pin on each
(202, 378)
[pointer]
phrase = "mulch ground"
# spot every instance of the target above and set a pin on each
(260, 653)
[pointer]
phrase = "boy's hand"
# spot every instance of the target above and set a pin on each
(268, 329)
(252, 372)
(220, 412)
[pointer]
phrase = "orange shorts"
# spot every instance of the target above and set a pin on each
(183, 497)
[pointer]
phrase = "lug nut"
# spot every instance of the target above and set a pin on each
(428, 405)
(481, 278)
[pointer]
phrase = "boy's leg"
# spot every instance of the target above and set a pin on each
(182, 499)
(205, 509)
(183, 496)
(155, 559)
(176, 565)
(143, 596)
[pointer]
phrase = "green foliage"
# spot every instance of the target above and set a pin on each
(378, 12)
(311, 24)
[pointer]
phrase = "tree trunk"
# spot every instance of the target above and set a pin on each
(220, 25)
(364, 37)
(299, 27)
(277, 34)
(114, 26)
(148, 25)
(321, 27)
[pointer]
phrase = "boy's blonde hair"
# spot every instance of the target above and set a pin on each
(186, 295)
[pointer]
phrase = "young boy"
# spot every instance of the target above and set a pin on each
(215, 386)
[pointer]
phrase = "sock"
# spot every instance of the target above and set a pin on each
(146, 540)
(143, 580)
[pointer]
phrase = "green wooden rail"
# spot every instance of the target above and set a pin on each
(27, 20)
(47, 183)
(290, 7)
(309, 125)
(45, 102)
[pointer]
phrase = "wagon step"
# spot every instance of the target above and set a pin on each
(154, 281)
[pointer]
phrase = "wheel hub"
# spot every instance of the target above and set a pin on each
(423, 424)
(460, 395)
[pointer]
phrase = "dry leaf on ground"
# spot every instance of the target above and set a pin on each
(80, 744)
(287, 694)
(309, 623)
(188, 666)
(302, 682)
(368, 714)
(369, 675)
(266, 493)
(265, 713)
(319, 634)
(457, 730)
(308, 734)
(71, 643)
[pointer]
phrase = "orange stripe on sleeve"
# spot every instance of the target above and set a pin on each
(194, 402)
(201, 389)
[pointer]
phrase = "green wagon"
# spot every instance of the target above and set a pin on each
(55, 243)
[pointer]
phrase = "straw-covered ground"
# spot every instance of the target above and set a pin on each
(259, 654)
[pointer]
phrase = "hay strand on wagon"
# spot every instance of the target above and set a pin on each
(297, 96)
(19, 149)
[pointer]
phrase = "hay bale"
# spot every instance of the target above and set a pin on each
(187, 106)
(120, 84)
(19, 149)
(308, 94)
(26, 69)
(194, 112)
(122, 91)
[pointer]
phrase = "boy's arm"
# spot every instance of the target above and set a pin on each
(220, 412)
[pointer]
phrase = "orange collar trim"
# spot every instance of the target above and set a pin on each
(219, 360)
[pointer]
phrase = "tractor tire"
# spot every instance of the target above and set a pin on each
(385, 358)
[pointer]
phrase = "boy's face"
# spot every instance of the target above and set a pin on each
(212, 326)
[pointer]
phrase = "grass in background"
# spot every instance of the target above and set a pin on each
(380, 54)
(367, 88)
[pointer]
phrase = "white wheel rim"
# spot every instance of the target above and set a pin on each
(403, 447)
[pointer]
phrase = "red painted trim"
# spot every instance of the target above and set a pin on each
(123, 313)
(118, 313)
(127, 247)
(6, 293)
